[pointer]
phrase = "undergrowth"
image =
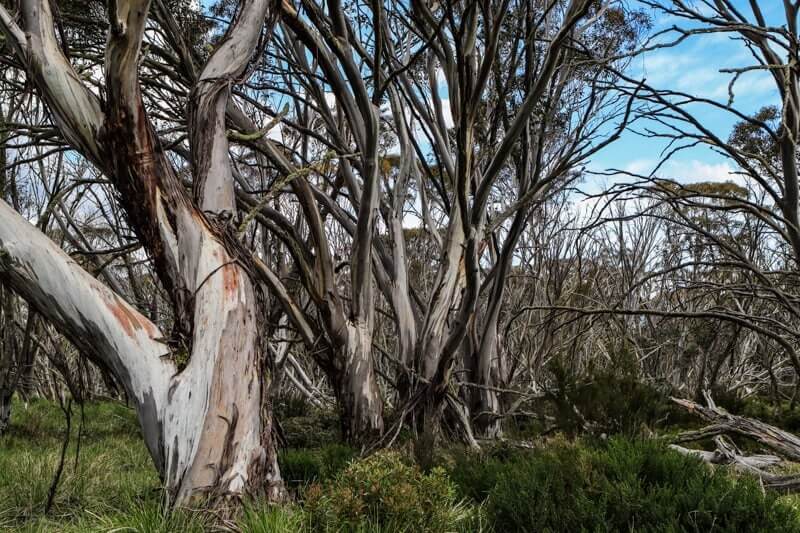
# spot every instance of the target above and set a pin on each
(618, 484)
(621, 484)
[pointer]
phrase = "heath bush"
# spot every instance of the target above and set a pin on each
(387, 492)
(618, 485)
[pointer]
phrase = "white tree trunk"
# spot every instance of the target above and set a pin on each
(98, 321)
(204, 426)
(208, 427)
(360, 399)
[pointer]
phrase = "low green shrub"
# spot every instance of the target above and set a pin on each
(594, 485)
(611, 399)
(301, 466)
(618, 485)
(316, 429)
(784, 415)
(385, 493)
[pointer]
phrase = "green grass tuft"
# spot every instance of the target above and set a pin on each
(620, 484)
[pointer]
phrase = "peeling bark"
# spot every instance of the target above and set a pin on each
(209, 427)
(90, 314)
(358, 394)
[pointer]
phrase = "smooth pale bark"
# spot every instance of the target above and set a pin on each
(443, 298)
(361, 407)
(349, 367)
(213, 180)
(209, 427)
(220, 434)
(488, 357)
(204, 426)
(400, 291)
(77, 114)
(98, 321)
(441, 339)
(359, 397)
(405, 324)
(327, 36)
(220, 398)
(486, 405)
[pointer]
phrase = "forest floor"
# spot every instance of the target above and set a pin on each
(611, 484)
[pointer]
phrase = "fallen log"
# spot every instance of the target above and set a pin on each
(718, 458)
(700, 434)
(777, 440)
(726, 453)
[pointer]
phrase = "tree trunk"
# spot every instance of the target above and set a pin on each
(443, 298)
(485, 369)
(208, 428)
(218, 433)
(486, 408)
(9, 366)
(359, 397)
(5, 406)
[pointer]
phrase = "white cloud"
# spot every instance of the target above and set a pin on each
(640, 166)
(693, 171)
(750, 86)
(694, 68)
(685, 170)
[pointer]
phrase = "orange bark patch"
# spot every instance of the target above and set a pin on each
(125, 316)
(152, 331)
(230, 279)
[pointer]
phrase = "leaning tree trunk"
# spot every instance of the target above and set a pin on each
(208, 427)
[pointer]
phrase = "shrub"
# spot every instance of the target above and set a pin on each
(784, 414)
(317, 429)
(621, 485)
(611, 399)
(386, 493)
(531, 492)
(299, 467)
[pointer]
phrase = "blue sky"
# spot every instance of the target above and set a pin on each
(693, 67)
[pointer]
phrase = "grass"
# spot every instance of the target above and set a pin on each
(112, 484)
(614, 485)
(114, 487)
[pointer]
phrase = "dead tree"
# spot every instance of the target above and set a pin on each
(723, 423)
(745, 236)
